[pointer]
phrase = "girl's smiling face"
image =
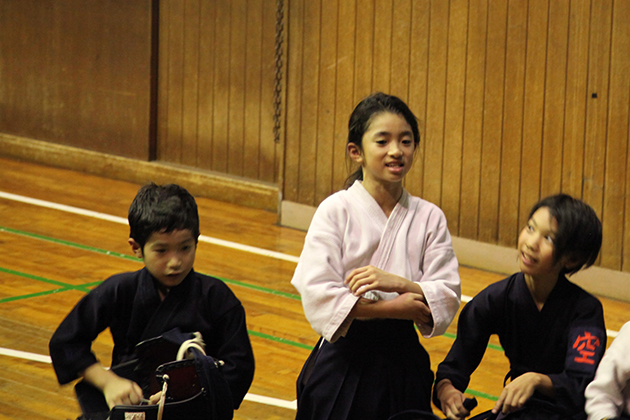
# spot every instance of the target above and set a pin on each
(536, 247)
(386, 153)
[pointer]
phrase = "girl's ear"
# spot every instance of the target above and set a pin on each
(135, 248)
(354, 152)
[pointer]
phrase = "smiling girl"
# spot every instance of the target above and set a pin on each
(375, 261)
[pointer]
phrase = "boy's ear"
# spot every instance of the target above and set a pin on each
(354, 152)
(135, 248)
(570, 263)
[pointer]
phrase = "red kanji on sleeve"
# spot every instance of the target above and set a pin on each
(586, 345)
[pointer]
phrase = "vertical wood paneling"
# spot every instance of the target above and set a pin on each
(310, 88)
(436, 100)
(401, 46)
(511, 140)
(78, 73)
(170, 144)
(238, 65)
(207, 67)
(576, 96)
(190, 89)
(420, 18)
(492, 121)
(163, 79)
(253, 88)
(597, 105)
(555, 83)
(454, 112)
(233, 36)
(533, 110)
(269, 159)
(344, 94)
(16, 72)
(624, 7)
(617, 135)
(221, 94)
(294, 100)
(326, 100)
(364, 44)
(216, 83)
(383, 58)
(473, 119)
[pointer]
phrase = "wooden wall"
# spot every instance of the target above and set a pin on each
(517, 100)
(216, 86)
(77, 73)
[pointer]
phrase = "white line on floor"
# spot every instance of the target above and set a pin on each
(249, 397)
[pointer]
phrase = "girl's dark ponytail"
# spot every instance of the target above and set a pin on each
(354, 176)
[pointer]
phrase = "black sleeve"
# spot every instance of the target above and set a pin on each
(71, 344)
(474, 328)
(236, 352)
(585, 349)
(228, 338)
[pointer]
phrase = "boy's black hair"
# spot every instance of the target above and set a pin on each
(579, 234)
(162, 208)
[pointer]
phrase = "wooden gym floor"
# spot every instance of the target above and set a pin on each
(63, 232)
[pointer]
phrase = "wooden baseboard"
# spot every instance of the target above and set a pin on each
(296, 215)
(198, 182)
(499, 259)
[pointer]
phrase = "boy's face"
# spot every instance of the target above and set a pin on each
(536, 247)
(169, 257)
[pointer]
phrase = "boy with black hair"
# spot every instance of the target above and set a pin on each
(166, 294)
(552, 331)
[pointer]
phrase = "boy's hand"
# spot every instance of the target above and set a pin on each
(155, 398)
(451, 401)
(121, 391)
(365, 279)
(117, 390)
(519, 391)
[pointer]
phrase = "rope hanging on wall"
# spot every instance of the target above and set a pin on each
(277, 94)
